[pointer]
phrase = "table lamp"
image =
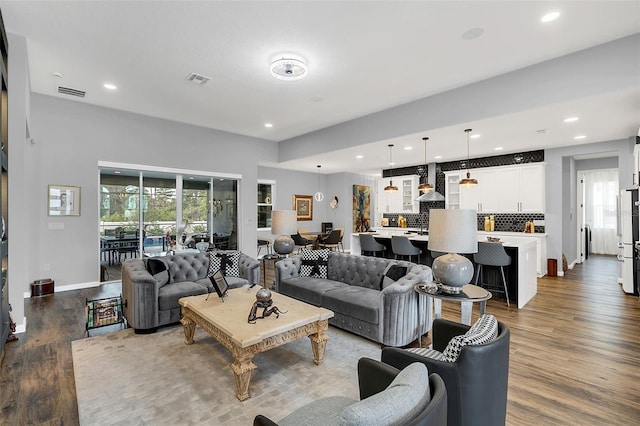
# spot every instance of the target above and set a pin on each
(284, 223)
(453, 231)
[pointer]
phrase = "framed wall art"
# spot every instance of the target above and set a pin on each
(303, 205)
(63, 200)
(361, 208)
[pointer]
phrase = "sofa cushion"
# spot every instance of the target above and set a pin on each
(392, 273)
(168, 295)
(314, 263)
(159, 270)
(483, 331)
(402, 401)
(224, 260)
(358, 302)
(308, 289)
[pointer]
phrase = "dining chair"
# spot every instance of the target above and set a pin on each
(332, 241)
(300, 241)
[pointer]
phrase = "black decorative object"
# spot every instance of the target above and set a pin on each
(219, 284)
(264, 301)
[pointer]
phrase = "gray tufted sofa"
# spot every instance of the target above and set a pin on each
(351, 290)
(148, 305)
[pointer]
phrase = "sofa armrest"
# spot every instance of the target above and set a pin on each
(249, 269)
(140, 295)
(402, 313)
(287, 268)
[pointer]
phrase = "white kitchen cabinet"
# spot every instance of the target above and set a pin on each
(452, 190)
(401, 201)
(509, 189)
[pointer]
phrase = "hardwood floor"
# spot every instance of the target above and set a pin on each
(575, 353)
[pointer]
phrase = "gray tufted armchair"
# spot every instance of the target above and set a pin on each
(151, 301)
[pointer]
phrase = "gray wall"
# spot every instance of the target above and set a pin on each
(73, 137)
(597, 163)
(560, 202)
(290, 182)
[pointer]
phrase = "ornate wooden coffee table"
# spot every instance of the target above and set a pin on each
(227, 323)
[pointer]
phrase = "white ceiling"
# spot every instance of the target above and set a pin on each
(363, 57)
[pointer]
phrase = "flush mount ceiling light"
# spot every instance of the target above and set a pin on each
(426, 186)
(551, 16)
(288, 69)
(468, 181)
(390, 187)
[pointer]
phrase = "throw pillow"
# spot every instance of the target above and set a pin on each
(483, 331)
(227, 261)
(314, 263)
(392, 273)
(427, 353)
(158, 269)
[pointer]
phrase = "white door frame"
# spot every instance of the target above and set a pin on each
(580, 217)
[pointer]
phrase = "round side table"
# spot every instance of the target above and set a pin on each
(467, 297)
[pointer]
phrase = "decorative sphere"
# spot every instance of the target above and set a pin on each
(263, 295)
(453, 270)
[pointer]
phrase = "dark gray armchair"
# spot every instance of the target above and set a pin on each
(387, 396)
(476, 383)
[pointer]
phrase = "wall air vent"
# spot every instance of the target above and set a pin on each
(71, 92)
(198, 79)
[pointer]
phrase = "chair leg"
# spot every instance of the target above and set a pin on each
(504, 283)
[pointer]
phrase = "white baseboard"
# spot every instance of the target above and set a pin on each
(78, 286)
(22, 327)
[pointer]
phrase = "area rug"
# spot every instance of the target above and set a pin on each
(124, 378)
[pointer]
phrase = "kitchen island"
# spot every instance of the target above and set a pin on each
(521, 274)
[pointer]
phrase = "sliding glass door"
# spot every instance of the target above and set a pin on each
(146, 213)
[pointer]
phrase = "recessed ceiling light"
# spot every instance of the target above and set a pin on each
(392, 164)
(498, 148)
(110, 86)
(359, 157)
(408, 148)
(474, 136)
(437, 157)
(268, 125)
(571, 119)
(580, 137)
(57, 74)
(551, 16)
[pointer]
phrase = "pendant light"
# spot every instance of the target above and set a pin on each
(468, 181)
(391, 187)
(318, 196)
(426, 186)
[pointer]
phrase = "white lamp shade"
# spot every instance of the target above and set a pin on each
(284, 222)
(453, 231)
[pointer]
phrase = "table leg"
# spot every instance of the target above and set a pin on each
(242, 368)
(318, 344)
(467, 310)
(189, 328)
(437, 307)
(483, 306)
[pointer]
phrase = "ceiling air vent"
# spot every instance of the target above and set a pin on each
(71, 92)
(198, 79)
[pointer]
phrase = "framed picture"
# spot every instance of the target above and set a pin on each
(63, 200)
(303, 205)
(219, 283)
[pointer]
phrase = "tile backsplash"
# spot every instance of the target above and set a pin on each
(504, 222)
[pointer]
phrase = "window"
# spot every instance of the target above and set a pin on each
(265, 203)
